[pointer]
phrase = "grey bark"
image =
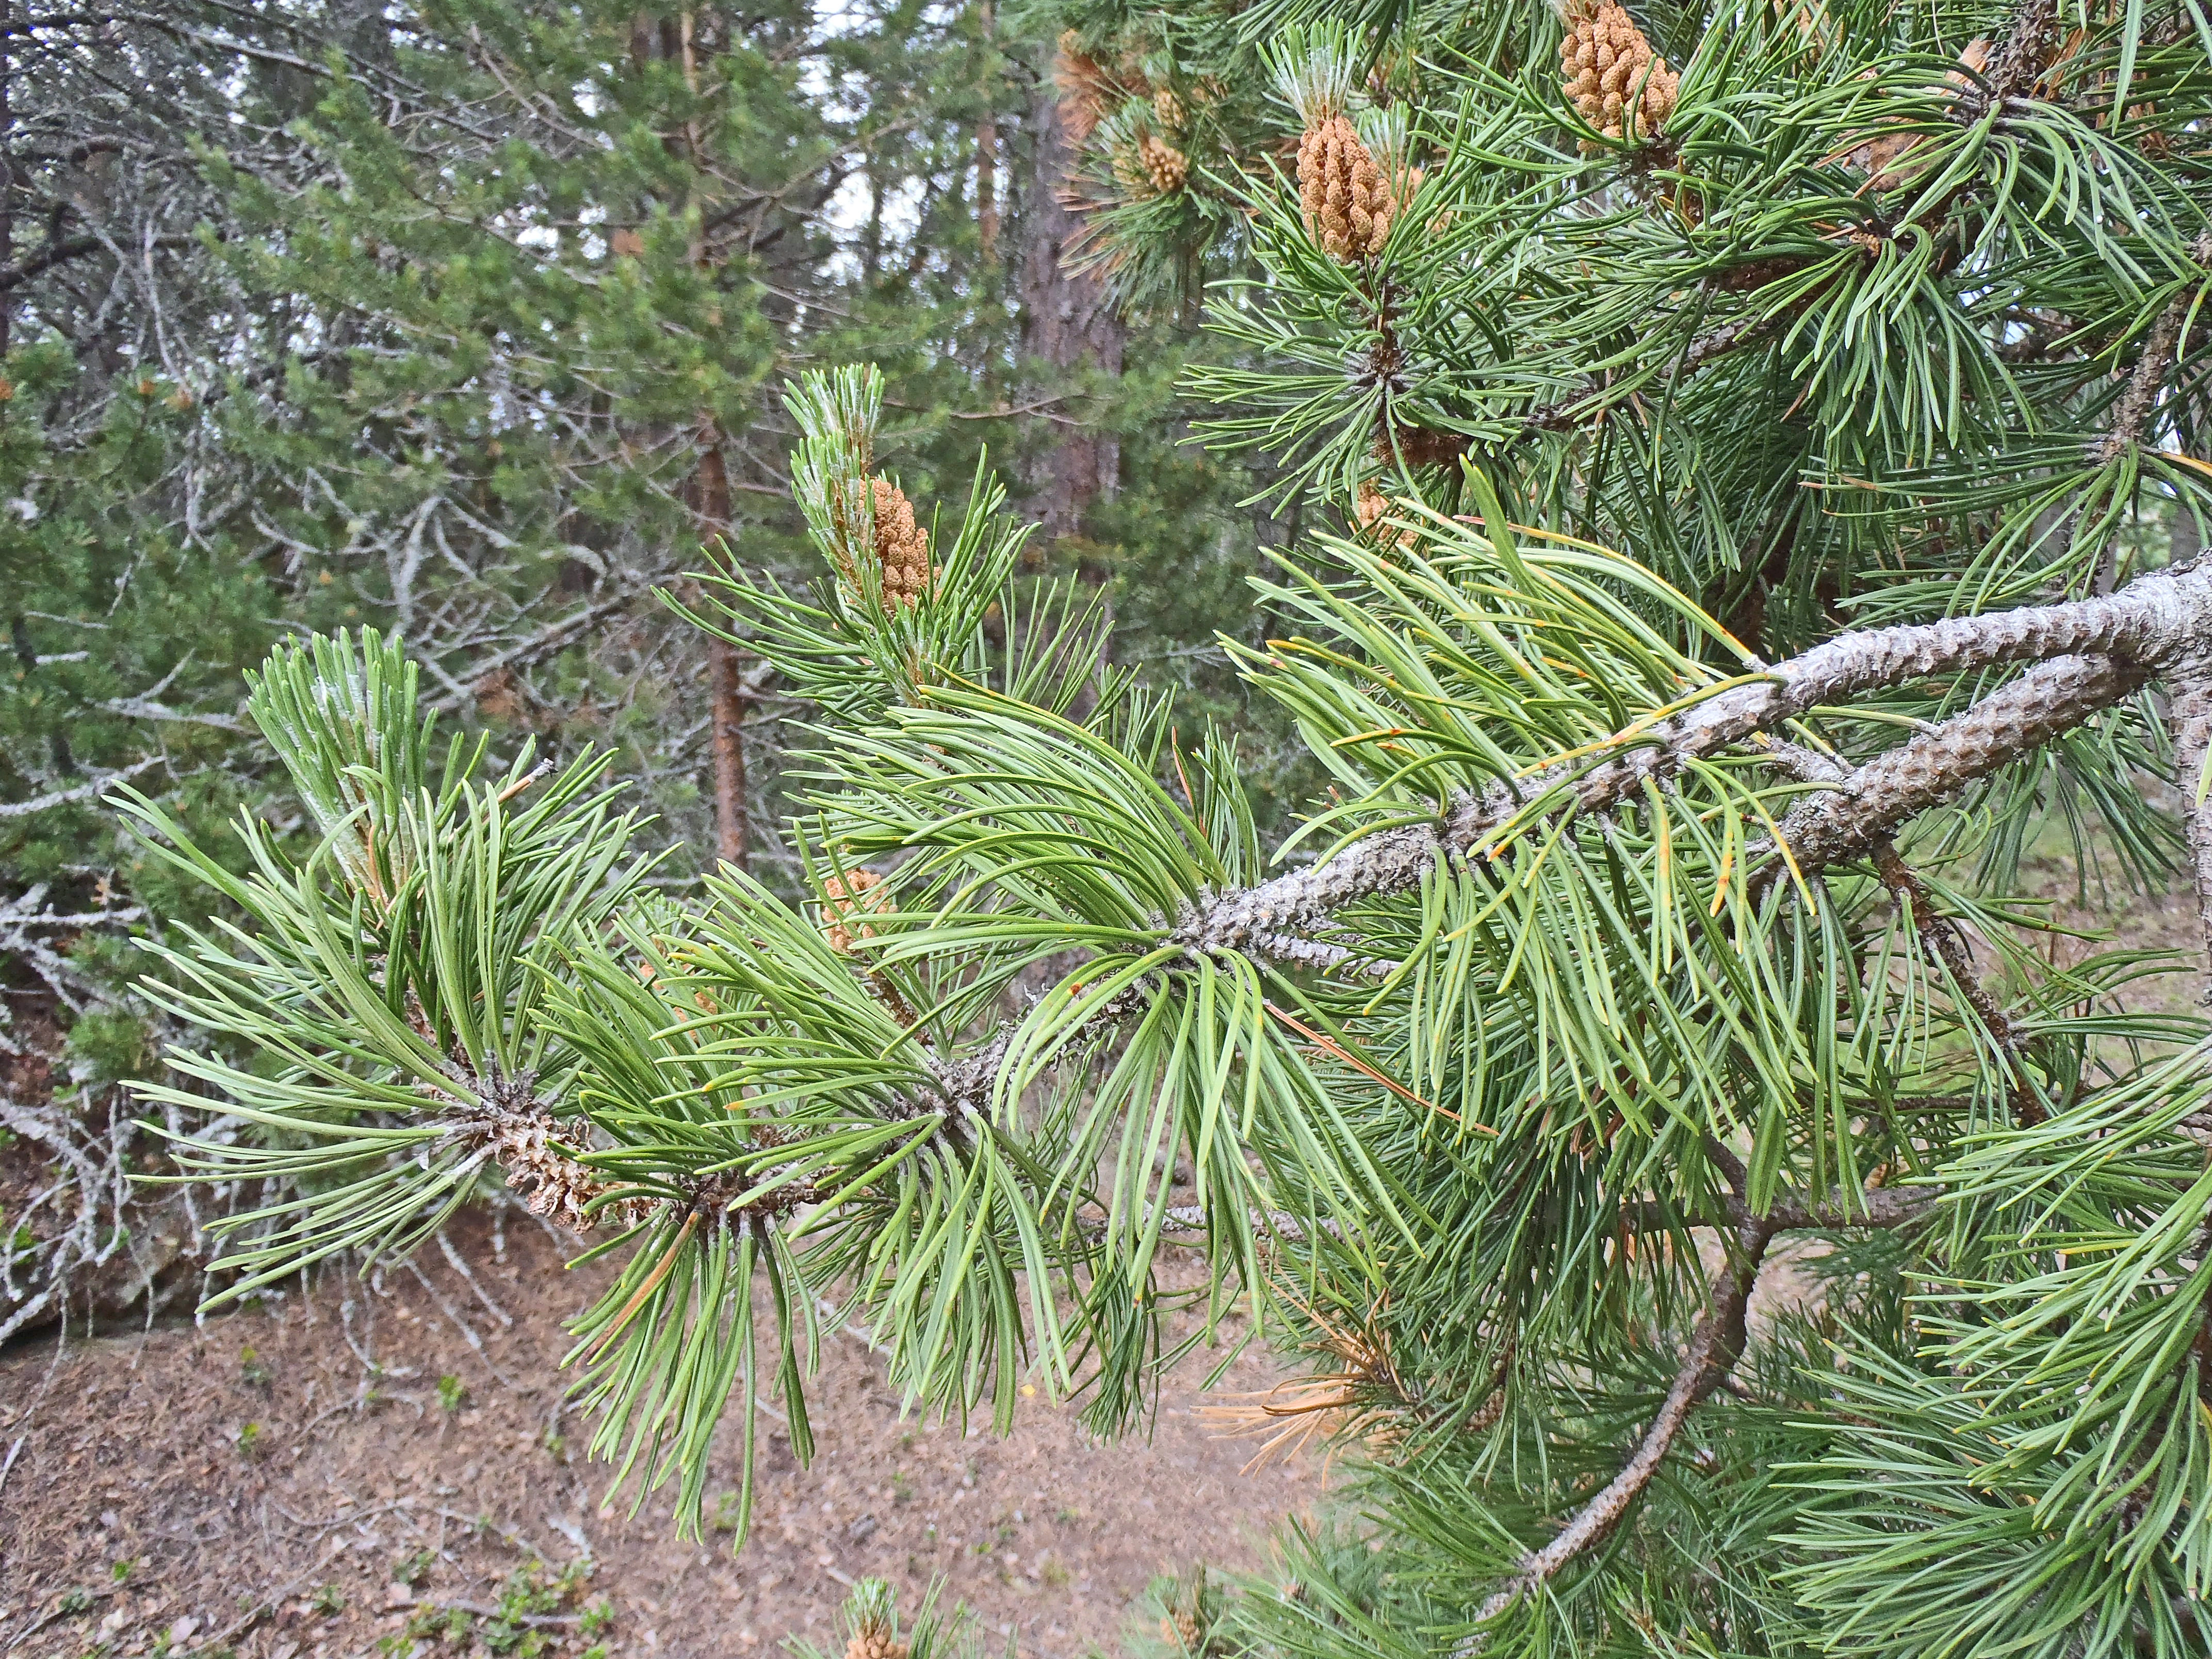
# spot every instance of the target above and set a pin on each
(2050, 698)
(2189, 719)
(2151, 621)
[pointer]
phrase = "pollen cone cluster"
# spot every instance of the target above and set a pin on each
(1345, 195)
(1165, 166)
(874, 1627)
(874, 1644)
(1181, 1630)
(846, 898)
(1369, 508)
(1615, 81)
(902, 546)
(1167, 109)
(1084, 85)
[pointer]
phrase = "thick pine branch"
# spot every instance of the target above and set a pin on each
(2101, 650)
(2048, 701)
(2139, 631)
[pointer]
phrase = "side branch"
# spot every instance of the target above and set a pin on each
(1714, 1347)
(2138, 401)
(2049, 700)
(1880, 1209)
(1940, 937)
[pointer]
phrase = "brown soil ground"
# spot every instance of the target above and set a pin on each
(287, 1539)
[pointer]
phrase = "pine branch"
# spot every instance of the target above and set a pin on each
(2131, 413)
(1715, 1347)
(2135, 630)
(2029, 47)
(1878, 1209)
(2049, 700)
(2139, 629)
(1939, 937)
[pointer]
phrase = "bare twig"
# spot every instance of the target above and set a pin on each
(1714, 1347)
(459, 1264)
(17, 809)
(468, 1332)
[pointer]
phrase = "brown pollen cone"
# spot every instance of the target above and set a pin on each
(1369, 507)
(874, 1644)
(1615, 80)
(902, 546)
(846, 898)
(1165, 166)
(1345, 196)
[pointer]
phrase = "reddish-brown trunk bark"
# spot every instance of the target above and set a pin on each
(724, 681)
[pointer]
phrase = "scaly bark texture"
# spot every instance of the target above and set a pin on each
(2188, 718)
(2050, 698)
(1069, 323)
(2141, 629)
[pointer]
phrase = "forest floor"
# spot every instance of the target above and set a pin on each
(251, 1486)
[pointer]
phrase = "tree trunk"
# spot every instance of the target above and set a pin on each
(7, 164)
(1069, 323)
(725, 683)
(987, 154)
(676, 40)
